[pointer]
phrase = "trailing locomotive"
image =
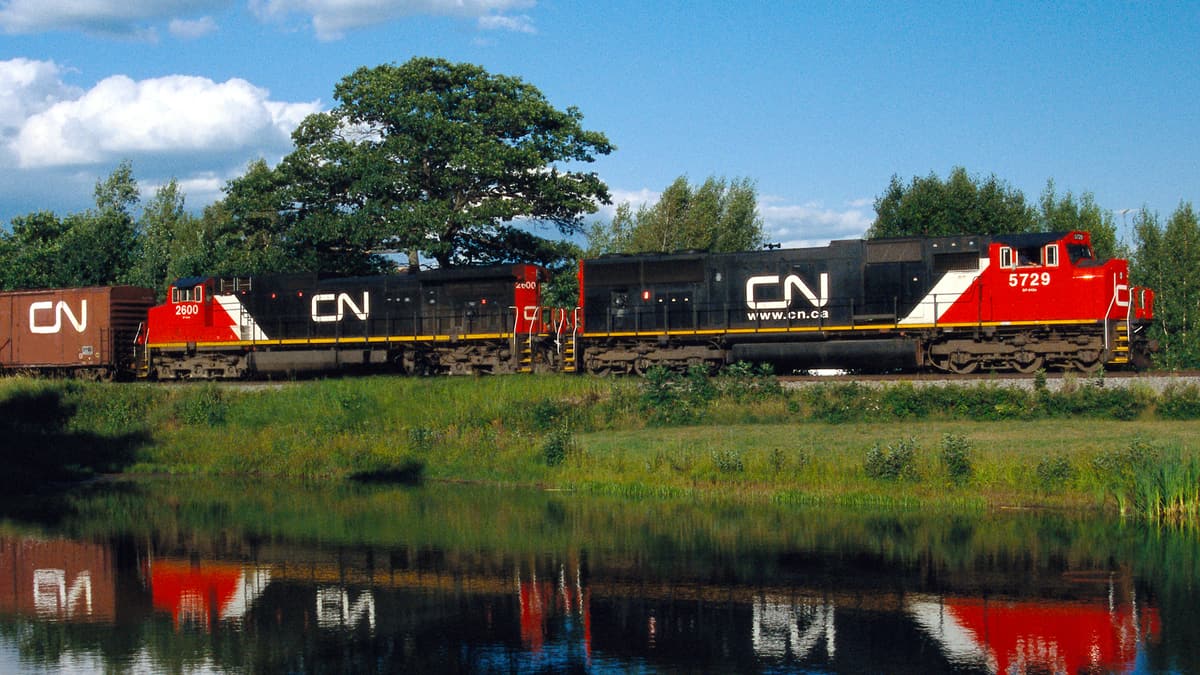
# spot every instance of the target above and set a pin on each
(956, 304)
(457, 321)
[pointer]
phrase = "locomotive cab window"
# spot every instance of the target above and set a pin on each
(194, 294)
(1050, 255)
(1007, 260)
(1027, 257)
(1077, 252)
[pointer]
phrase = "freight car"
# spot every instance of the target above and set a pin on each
(82, 332)
(956, 304)
(455, 321)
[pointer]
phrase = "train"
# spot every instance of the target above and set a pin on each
(955, 304)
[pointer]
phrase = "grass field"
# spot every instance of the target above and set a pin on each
(735, 437)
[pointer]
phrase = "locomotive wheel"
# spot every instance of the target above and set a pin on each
(1027, 363)
(962, 363)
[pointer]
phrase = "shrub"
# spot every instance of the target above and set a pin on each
(1180, 402)
(202, 406)
(956, 457)
(559, 444)
(545, 415)
(1054, 472)
(895, 462)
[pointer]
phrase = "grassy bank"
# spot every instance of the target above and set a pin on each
(738, 436)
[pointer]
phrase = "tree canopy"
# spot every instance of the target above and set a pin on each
(961, 204)
(431, 156)
(1167, 259)
(717, 215)
(1061, 214)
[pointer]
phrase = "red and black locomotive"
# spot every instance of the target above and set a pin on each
(956, 304)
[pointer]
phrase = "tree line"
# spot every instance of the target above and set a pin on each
(446, 163)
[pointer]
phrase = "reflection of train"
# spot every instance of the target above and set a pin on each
(957, 304)
(296, 609)
(1053, 637)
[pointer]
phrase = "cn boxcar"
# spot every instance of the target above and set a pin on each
(958, 304)
(456, 321)
(85, 332)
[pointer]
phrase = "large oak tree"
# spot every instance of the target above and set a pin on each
(437, 157)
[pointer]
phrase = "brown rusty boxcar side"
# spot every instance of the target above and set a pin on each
(87, 332)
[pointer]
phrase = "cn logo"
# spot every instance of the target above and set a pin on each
(46, 317)
(790, 283)
(328, 307)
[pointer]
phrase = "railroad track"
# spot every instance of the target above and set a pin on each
(1154, 379)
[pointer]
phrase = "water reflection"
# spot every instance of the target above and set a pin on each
(583, 585)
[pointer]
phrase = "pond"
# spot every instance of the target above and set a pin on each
(171, 575)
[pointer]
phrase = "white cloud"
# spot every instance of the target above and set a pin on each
(190, 30)
(27, 88)
(790, 225)
(178, 114)
(57, 140)
(332, 18)
(116, 17)
(516, 24)
(813, 224)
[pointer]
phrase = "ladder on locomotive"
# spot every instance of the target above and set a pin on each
(1120, 344)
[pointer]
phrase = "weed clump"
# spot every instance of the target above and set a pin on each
(895, 462)
(1054, 472)
(956, 458)
(559, 444)
(728, 461)
(202, 406)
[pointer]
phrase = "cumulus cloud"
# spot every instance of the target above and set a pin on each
(27, 88)
(116, 17)
(56, 140)
(120, 117)
(190, 30)
(332, 18)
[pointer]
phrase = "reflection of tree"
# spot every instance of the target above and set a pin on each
(40, 444)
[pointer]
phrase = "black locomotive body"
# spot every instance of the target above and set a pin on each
(445, 321)
(954, 303)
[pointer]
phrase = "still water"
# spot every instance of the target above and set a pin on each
(171, 576)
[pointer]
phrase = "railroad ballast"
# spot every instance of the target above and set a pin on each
(955, 304)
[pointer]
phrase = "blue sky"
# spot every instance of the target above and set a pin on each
(820, 103)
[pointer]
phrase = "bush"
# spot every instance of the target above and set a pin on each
(202, 406)
(1054, 472)
(895, 462)
(1180, 402)
(560, 443)
(956, 457)
(670, 398)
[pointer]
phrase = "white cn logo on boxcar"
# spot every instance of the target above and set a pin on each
(46, 317)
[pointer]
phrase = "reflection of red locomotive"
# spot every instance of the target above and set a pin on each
(1058, 637)
(957, 304)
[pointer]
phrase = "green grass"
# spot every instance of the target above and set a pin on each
(738, 437)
